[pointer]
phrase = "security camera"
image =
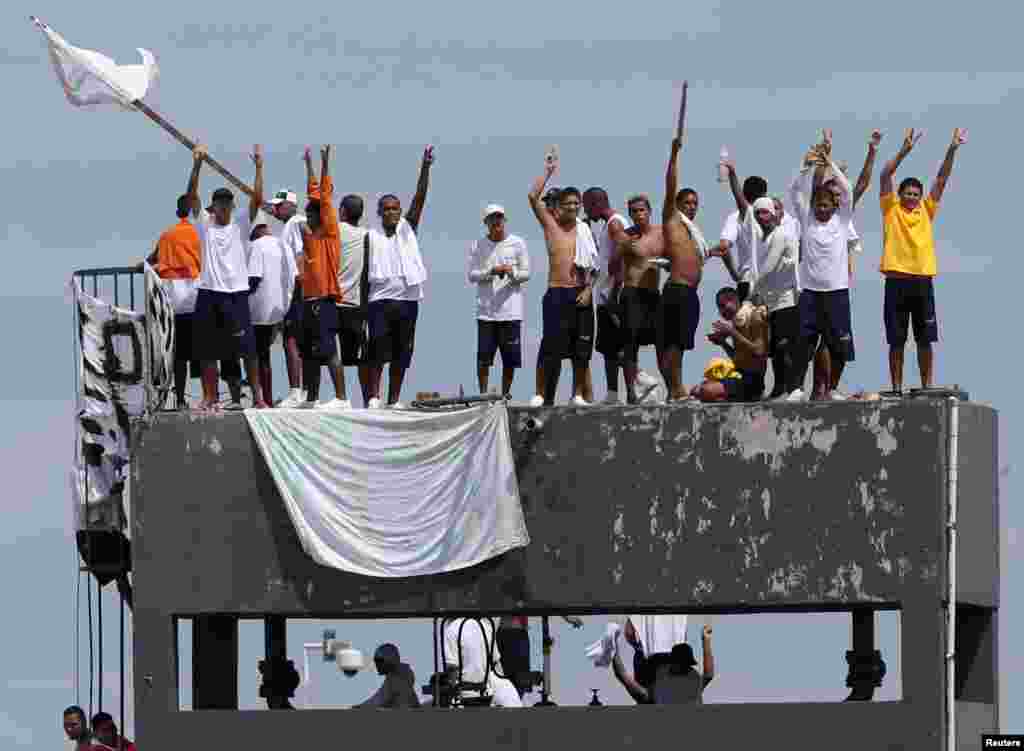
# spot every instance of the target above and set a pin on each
(349, 659)
(534, 423)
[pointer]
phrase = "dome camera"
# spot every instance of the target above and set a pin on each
(349, 659)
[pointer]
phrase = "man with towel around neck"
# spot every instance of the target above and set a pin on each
(680, 306)
(568, 303)
(396, 274)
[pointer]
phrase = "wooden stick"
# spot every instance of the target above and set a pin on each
(190, 145)
(682, 111)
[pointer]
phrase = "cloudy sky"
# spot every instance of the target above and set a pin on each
(490, 87)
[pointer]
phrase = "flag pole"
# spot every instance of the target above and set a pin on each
(190, 145)
(682, 111)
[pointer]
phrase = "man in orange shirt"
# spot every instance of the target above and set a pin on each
(321, 257)
(176, 260)
(908, 260)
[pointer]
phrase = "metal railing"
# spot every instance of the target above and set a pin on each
(106, 283)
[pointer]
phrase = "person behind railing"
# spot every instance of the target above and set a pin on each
(467, 642)
(77, 729)
(105, 735)
(398, 691)
(222, 317)
(669, 679)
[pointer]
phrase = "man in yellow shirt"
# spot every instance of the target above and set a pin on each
(908, 260)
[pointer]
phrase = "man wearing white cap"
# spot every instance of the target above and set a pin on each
(284, 207)
(499, 265)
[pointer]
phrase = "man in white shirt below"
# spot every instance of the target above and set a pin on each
(222, 322)
(284, 206)
(352, 280)
(607, 235)
(272, 280)
(734, 249)
(471, 639)
(499, 265)
(396, 275)
(824, 274)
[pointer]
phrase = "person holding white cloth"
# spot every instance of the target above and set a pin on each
(396, 274)
(499, 265)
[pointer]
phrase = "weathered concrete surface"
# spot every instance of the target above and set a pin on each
(727, 509)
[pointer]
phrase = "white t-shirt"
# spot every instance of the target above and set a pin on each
(824, 251)
(290, 235)
(605, 248)
(475, 636)
(274, 265)
(499, 298)
(393, 288)
(742, 252)
(224, 265)
(352, 256)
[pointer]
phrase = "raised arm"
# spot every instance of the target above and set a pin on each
(534, 196)
(864, 181)
(669, 212)
(198, 154)
(886, 182)
(328, 211)
(307, 158)
(633, 688)
(737, 191)
(420, 199)
(825, 151)
(256, 199)
(939, 186)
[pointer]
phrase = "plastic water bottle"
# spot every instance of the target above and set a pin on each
(723, 172)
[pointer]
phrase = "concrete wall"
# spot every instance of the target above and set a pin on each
(721, 508)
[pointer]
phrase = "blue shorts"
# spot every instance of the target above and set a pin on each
(492, 336)
(568, 327)
(678, 317)
(827, 315)
(319, 327)
(392, 330)
(221, 326)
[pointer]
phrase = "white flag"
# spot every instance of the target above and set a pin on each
(90, 78)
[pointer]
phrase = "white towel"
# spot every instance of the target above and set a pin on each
(604, 649)
(396, 257)
(659, 633)
(586, 248)
(696, 234)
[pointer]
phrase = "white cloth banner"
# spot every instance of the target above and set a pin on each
(90, 78)
(397, 492)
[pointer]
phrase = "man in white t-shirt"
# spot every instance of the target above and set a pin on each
(734, 248)
(396, 276)
(824, 275)
(272, 269)
(609, 230)
(223, 325)
(352, 280)
(499, 265)
(284, 206)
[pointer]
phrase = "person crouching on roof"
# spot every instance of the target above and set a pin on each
(743, 334)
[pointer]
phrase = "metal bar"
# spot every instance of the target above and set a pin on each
(117, 290)
(131, 290)
(951, 522)
(99, 631)
(92, 674)
(95, 283)
(121, 719)
(458, 401)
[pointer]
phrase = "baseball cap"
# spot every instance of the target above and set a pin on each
(284, 195)
(222, 194)
(493, 208)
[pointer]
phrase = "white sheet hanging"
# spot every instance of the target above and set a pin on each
(391, 493)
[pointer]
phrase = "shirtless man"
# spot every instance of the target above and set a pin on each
(568, 315)
(639, 299)
(680, 305)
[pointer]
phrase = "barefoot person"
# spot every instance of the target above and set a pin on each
(639, 300)
(221, 320)
(499, 265)
(567, 306)
(396, 274)
(680, 305)
(321, 254)
(908, 261)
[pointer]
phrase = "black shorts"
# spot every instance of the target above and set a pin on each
(910, 299)
(319, 326)
(293, 318)
(352, 335)
(183, 338)
(231, 370)
(743, 290)
(568, 327)
(609, 332)
(265, 335)
(748, 388)
(640, 309)
(784, 329)
(827, 315)
(221, 326)
(678, 317)
(504, 335)
(392, 328)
